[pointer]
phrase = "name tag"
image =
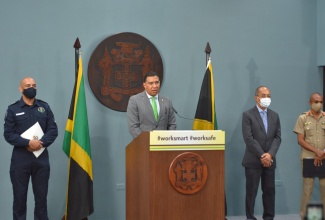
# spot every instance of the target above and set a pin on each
(21, 113)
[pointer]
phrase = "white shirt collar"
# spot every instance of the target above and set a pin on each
(149, 96)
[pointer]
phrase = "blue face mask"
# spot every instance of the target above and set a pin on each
(30, 92)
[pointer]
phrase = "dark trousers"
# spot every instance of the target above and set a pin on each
(253, 177)
(20, 172)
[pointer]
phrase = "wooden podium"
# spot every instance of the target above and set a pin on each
(176, 175)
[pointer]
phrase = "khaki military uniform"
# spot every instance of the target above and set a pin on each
(314, 131)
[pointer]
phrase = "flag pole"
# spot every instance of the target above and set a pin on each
(76, 46)
(207, 53)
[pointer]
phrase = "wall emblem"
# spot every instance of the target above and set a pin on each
(188, 173)
(117, 66)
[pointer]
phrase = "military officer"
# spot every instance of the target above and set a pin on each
(310, 132)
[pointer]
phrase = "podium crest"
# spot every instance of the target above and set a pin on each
(188, 173)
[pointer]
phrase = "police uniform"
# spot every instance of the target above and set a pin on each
(24, 164)
(314, 132)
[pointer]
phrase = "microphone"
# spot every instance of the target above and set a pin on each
(205, 122)
(181, 116)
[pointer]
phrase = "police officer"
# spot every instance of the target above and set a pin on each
(310, 133)
(20, 116)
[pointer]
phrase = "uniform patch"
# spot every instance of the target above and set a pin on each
(41, 109)
(307, 123)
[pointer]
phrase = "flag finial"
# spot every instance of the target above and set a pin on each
(77, 44)
(207, 53)
(207, 49)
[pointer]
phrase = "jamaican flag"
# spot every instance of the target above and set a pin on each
(205, 116)
(76, 145)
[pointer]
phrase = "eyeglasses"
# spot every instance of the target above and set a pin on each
(317, 102)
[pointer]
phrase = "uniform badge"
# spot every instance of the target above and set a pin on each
(41, 109)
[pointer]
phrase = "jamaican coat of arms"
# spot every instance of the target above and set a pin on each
(188, 173)
(117, 66)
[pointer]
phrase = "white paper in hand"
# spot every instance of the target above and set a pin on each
(34, 133)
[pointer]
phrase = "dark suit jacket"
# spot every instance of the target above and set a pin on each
(141, 117)
(255, 137)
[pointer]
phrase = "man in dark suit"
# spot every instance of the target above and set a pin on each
(149, 111)
(262, 135)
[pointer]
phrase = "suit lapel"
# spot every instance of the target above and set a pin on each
(147, 105)
(269, 119)
(161, 106)
(259, 119)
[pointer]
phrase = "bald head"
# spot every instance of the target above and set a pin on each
(28, 81)
(262, 95)
(28, 88)
(261, 90)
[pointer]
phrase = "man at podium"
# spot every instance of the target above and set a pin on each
(149, 110)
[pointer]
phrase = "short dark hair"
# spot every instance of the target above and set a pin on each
(314, 93)
(151, 73)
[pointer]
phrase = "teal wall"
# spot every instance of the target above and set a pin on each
(321, 33)
(253, 42)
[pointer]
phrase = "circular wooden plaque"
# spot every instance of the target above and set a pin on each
(117, 66)
(188, 173)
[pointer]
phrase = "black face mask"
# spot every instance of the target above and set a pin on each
(30, 92)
